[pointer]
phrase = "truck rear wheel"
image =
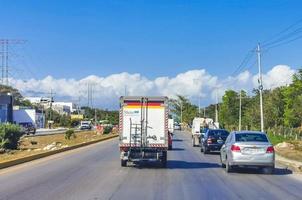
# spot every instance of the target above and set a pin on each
(124, 163)
(193, 142)
(164, 160)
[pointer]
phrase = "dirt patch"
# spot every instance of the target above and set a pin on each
(39, 144)
(291, 150)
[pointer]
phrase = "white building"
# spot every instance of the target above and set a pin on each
(61, 107)
(38, 100)
(21, 115)
(72, 106)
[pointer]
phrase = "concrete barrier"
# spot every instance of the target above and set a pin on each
(49, 153)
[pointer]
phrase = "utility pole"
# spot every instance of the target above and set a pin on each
(95, 119)
(3, 63)
(216, 107)
(6, 63)
(199, 105)
(5, 58)
(50, 106)
(125, 90)
(240, 111)
(180, 112)
(260, 86)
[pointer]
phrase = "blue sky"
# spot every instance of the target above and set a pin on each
(78, 38)
(74, 39)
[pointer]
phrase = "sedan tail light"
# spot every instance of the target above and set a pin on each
(270, 149)
(235, 148)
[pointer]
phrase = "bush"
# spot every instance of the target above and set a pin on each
(107, 130)
(69, 133)
(9, 136)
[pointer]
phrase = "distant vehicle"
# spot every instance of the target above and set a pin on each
(213, 139)
(248, 149)
(85, 125)
(171, 131)
(177, 126)
(199, 126)
(27, 128)
(171, 125)
(143, 128)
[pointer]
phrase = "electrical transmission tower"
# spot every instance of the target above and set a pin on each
(5, 53)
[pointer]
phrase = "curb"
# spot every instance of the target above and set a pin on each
(295, 166)
(49, 153)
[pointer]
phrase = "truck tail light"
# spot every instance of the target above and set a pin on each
(209, 141)
(270, 149)
(124, 149)
(235, 148)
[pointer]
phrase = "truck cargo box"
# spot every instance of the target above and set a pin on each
(143, 129)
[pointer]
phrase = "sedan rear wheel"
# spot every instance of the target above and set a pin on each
(228, 167)
(222, 164)
(268, 170)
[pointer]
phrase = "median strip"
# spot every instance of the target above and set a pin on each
(10, 163)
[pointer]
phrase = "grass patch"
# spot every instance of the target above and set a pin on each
(275, 139)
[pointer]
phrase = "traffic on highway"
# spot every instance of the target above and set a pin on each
(151, 100)
(94, 172)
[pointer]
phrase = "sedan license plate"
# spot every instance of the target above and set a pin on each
(253, 150)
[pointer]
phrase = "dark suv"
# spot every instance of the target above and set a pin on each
(213, 139)
(28, 128)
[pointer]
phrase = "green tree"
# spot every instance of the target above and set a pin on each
(229, 109)
(292, 98)
(182, 105)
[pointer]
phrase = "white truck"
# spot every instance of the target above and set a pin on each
(199, 125)
(143, 129)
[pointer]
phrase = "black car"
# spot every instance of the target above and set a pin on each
(27, 128)
(213, 139)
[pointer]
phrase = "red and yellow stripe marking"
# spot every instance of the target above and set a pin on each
(155, 105)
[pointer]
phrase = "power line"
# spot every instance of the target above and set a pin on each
(283, 43)
(243, 63)
(284, 37)
(281, 32)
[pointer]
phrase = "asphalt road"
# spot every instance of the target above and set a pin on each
(94, 172)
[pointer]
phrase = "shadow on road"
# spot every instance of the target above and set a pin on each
(177, 149)
(178, 164)
(213, 153)
(278, 171)
(177, 140)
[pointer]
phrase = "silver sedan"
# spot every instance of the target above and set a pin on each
(248, 149)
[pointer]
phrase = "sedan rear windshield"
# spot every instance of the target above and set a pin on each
(251, 137)
(218, 133)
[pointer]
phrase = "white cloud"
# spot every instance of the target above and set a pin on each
(278, 76)
(193, 83)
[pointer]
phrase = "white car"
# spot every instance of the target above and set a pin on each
(248, 149)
